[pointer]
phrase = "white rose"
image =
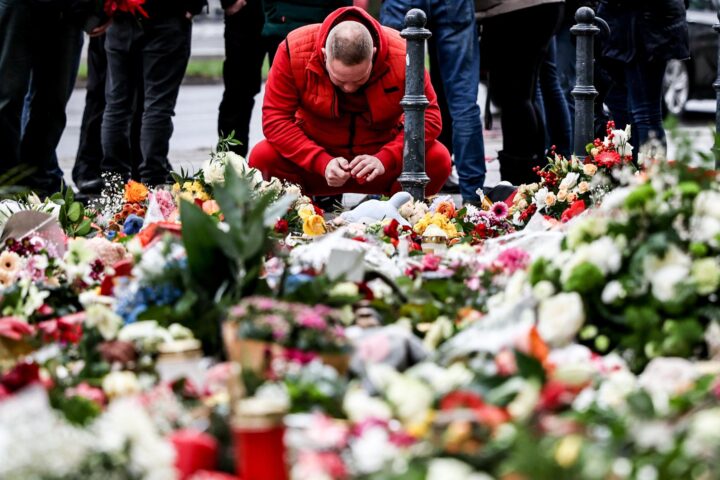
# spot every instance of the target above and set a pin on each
(360, 406)
(448, 469)
(543, 290)
(605, 255)
(665, 273)
(569, 181)
(613, 291)
(540, 198)
(238, 162)
(573, 364)
(615, 388)
(372, 450)
(120, 384)
(214, 172)
(560, 318)
(410, 397)
(664, 378)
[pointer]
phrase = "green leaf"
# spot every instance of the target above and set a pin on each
(75, 212)
(529, 367)
(84, 228)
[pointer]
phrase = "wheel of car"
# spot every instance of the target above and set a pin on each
(676, 87)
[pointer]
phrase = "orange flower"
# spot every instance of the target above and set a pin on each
(447, 209)
(135, 192)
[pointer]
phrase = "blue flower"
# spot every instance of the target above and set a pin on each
(133, 224)
(111, 235)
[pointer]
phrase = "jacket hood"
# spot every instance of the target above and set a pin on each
(358, 15)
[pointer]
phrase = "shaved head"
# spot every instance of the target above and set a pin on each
(350, 43)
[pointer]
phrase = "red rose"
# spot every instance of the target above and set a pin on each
(20, 376)
(577, 207)
(481, 230)
(282, 226)
(391, 229)
(318, 210)
(528, 212)
(555, 395)
(66, 329)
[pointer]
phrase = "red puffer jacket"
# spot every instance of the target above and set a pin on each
(301, 115)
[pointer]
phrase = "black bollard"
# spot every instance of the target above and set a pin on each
(716, 86)
(584, 91)
(413, 178)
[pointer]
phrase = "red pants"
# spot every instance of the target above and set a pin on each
(266, 159)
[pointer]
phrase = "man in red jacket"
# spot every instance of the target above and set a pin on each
(331, 114)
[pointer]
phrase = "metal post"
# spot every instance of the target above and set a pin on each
(413, 178)
(584, 91)
(716, 86)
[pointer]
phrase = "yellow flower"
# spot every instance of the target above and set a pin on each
(176, 188)
(187, 186)
(314, 225)
(187, 196)
(9, 262)
(568, 450)
(197, 187)
(306, 211)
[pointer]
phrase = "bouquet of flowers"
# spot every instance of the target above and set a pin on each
(646, 265)
(567, 187)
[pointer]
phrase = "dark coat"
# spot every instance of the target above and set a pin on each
(645, 30)
(284, 16)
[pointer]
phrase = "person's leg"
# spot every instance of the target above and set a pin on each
(122, 62)
(271, 164)
(392, 12)
(165, 58)
(271, 44)
(459, 61)
(644, 83)
(89, 155)
(513, 70)
(557, 114)
(54, 69)
(15, 67)
(242, 71)
(445, 136)
(565, 61)
(437, 167)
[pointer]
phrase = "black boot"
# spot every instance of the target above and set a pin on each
(518, 169)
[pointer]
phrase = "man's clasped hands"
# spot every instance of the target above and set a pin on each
(363, 168)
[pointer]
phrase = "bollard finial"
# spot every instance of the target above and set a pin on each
(585, 15)
(415, 18)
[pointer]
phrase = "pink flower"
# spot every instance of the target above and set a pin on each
(499, 210)
(430, 263)
(84, 390)
(513, 259)
(311, 319)
(166, 202)
(321, 464)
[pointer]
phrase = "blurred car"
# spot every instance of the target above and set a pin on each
(693, 79)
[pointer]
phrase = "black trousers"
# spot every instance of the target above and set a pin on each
(245, 51)
(156, 50)
(89, 155)
(513, 63)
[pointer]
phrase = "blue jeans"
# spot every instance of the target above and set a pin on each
(553, 105)
(635, 98)
(452, 23)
